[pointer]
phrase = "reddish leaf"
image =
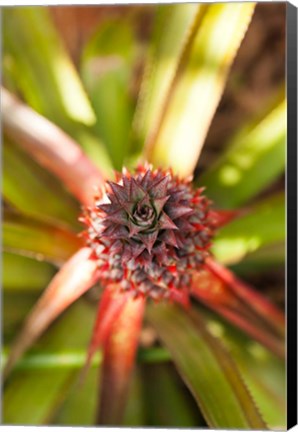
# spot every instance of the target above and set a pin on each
(110, 306)
(75, 277)
(248, 294)
(223, 217)
(219, 296)
(181, 297)
(119, 350)
(51, 147)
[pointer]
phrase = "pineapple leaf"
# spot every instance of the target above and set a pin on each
(265, 258)
(162, 388)
(199, 85)
(34, 192)
(171, 30)
(51, 147)
(24, 274)
(252, 232)
(49, 81)
(76, 276)
(39, 240)
(107, 72)
(33, 396)
(263, 372)
(254, 158)
(207, 369)
(119, 350)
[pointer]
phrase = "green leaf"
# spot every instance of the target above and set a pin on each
(36, 239)
(198, 86)
(15, 306)
(171, 29)
(134, 414)
(96, 151)
(265, 258)
(25, 274)
(73, 359)
(49, 81)
(75, 277)
(206, 368)
(262, 226)
(79, 408)
(107, 65)
(33, 396)
(254, 158)
(34, 191)
(263, 372)
(153, 355)
(165, 400)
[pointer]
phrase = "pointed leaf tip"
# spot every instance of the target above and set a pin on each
(166, 223)
(136, 191)
(159, 188)
(159, 203)
(118, 190)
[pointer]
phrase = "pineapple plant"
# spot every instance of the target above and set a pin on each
(132, 260)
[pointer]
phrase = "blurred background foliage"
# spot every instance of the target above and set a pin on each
(101, 74)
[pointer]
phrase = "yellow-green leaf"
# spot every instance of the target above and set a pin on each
(172, 25)
(25, 274)
(265, 258)
(107, 66)
(34, 191)
(263, 225)
(254, 158)
(198, 89)
(79, 408)
(49, 81)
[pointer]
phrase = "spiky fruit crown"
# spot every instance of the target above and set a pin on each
(149, 232)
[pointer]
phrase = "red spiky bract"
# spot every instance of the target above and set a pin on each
(149, 232)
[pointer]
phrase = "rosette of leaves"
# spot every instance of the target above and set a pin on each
(208, 348)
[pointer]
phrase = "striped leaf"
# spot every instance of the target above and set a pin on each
(202, 74)
(206, 368)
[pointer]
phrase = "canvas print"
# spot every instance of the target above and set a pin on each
(144, 215)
